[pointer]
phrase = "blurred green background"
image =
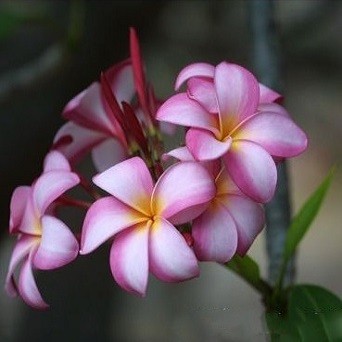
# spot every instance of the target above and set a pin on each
(51, 50)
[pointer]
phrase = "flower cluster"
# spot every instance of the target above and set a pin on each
(206, 206)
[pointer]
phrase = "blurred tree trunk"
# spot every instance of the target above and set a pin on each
(268, 65)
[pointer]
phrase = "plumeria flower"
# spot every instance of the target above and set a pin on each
(141, 218)
(92, 126)
(230, 117)
(44, 242)
(104, 120)
(206, 73)
(229, 225)
(231, 222)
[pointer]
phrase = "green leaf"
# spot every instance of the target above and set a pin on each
(302, 221)
(245, 266)
(248, 270)
(280, 328)
(314, 314)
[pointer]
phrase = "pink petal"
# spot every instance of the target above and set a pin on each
(188, 214)
(83, 140)
(248, 217)
(237, 93)
(277, 134)
(50, 185)
(203, 145)
(18, 204)
(203, 91)
(183, 154)
(129, 181)
(105, 218)
(180, 153)
(108, 153)
(55, 160)
(171, 259)
(268, 95)
(181, 110)
(74, 102)
(180, 187)
(57, 247)
(129, 259)
(22, 248)
(225, 185)
(213, 167)
(273, 108)
(194, 70)
(30, 223)
(120, 77)
(252, 169)
(89, 111)
(215, 235)
(28, 288)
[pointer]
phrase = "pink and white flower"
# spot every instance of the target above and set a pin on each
(206, 71)
(229, 225)
(92, 125)
(141, 218)
(230, 117)
(232, 220)
(44, 242)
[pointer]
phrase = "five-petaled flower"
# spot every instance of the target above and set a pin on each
(230, 223)
(44, 242)
(230, 116)
(141, 217)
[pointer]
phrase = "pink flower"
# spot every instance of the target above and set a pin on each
(92, 125)
(141, 218)
(206, 71)
(44, 242)
(230, 223)
(231, 116)
(103, 119)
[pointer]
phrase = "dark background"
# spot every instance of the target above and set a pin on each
(51, 50)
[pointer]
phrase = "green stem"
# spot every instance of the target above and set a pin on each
(247, 269)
